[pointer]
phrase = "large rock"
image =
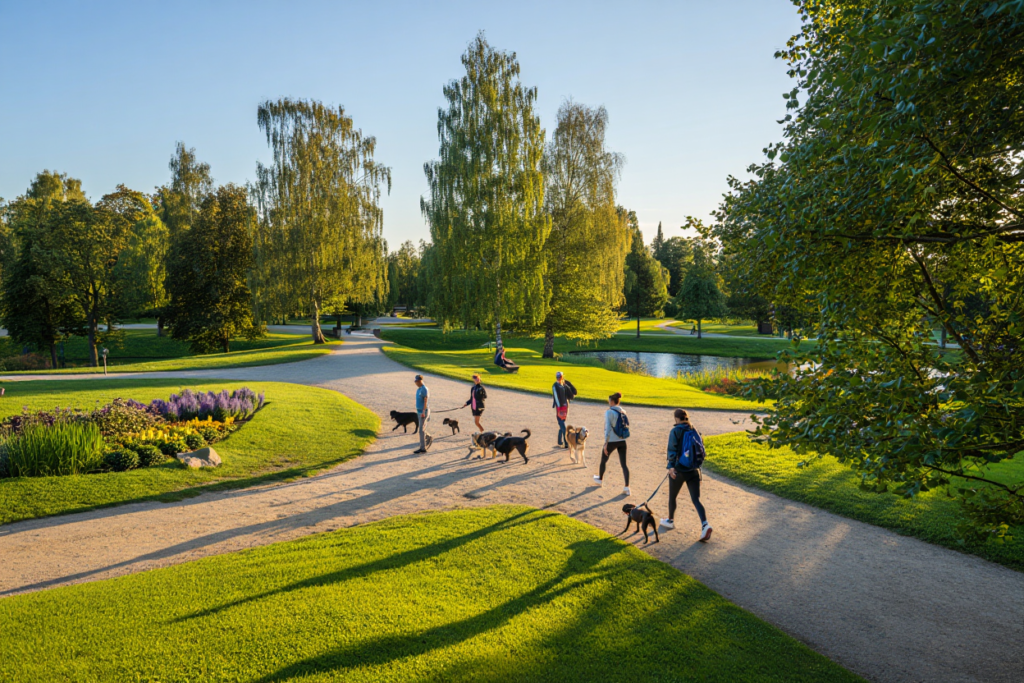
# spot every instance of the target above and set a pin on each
(204, 457)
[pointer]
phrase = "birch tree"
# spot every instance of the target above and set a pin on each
(319, 238)
(586, 249)
(486, 198)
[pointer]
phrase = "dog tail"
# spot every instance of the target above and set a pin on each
(527, 432)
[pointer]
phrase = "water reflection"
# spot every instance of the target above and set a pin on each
(668, 364)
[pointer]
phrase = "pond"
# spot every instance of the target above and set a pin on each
(668, 364)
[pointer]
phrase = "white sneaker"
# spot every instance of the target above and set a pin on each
(705, 532)
(598, 480)
(668, 524)
(625, 491)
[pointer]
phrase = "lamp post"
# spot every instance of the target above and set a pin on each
(105, 352)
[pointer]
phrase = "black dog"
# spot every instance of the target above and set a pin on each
(507, 443)
(454, 424)
(403, 420)
(643, 517)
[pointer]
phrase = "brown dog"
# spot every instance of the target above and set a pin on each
(454, 424)
(577, 440)
(483, 441)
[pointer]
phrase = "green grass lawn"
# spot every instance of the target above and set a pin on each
(747, 330)
(143, 351)
(764, 348)
(300, 431)
(537, 374)
(647, 325)
(827, 484)
(489, 594)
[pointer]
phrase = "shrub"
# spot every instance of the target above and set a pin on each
(123, 417)
(26, 361)
(149, 455)
(720, 380)
(172, 447)
(5, 460)
(210, 434)
(121, 460)
(62, 448)
(16, 424)
(194, 441)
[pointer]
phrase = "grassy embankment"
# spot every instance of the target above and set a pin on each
(432, 352)
(284, 440)
(487, 594)
(143, 351)
(827, 484)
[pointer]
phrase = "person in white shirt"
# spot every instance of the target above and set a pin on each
(613, 442)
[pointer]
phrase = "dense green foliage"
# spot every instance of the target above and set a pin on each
(894, 204)
(932, 516)
(285, 439)
(646, 282)
(492, 594)
(587, 245)
(699, 296)
(485, 209)
(61, 449)
(207, 274)
(319, 238)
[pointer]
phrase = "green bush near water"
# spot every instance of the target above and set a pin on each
(63, 448)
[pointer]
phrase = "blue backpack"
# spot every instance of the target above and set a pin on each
(621, 427)
(691, 451)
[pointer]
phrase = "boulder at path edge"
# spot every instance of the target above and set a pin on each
(204, 457)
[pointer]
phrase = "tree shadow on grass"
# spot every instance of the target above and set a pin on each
(579, 570)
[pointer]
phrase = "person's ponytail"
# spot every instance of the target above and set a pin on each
(681, 415)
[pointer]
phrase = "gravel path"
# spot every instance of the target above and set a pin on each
(888, 607)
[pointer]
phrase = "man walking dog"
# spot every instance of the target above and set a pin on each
(563, 391)
(423, 414)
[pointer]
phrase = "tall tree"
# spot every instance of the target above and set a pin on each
(587, 245)
(894, 202)
(207, 274)
(319, 208)
(486, 197)
(646, 282)
(142, 267)
(676, 255)
(403, 274)
(658, 243)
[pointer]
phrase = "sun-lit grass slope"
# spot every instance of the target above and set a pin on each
(143, 351)
(486, 595)
(300, 431)
(747, 330)
(647, 325)
(825, 483)
(737, 347)
(536, 374)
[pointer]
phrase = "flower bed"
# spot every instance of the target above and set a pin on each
(122, 435)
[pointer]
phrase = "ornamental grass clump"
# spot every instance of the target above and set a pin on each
(61, 448)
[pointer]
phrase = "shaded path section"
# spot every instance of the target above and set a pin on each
(888, 607)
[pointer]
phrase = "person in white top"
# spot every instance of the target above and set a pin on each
(613, 441)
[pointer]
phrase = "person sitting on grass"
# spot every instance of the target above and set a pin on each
(680, 474)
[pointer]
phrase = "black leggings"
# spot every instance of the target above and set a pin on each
(692, 480)
(619, 446)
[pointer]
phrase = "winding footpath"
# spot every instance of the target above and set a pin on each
(888, 607)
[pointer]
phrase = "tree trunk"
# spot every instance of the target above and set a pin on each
(226, 343)
(549, 340)
(698, 329)
(159, 326)
(94, 360)
(942, 338)
(497, 319)
(53, 356)
(318, 335)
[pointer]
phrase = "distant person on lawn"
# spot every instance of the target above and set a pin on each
(679, 474)
(616, 431)
(563, 391)
(423, 413)
(477, 396)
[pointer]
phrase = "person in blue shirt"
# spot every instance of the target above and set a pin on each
(423, 413)
(679, 475)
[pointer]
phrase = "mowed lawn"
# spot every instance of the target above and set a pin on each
(143, 351)
(300, 431)
(488, 594)
(931, 516)
(537, 374)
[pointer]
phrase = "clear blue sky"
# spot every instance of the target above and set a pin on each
(102, 90)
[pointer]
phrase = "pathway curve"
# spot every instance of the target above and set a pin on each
(888, 607)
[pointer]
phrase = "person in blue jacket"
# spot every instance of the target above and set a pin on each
(679, 475)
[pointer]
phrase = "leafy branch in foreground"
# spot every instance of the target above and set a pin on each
(894, 203)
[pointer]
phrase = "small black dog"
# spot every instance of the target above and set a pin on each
(643, 517)
(454, 424)
(507, 443)
(403, 420)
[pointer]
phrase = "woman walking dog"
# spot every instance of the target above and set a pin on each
(477, 396)
(616, 431)
(562, 391)
(684, 468)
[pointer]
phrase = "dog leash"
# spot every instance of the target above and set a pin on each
(436, 412)
(644, 504)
